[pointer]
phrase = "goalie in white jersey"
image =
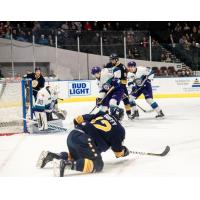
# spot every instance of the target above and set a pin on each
(46, 103)
(139, 82)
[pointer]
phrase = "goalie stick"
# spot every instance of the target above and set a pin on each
(164, 153)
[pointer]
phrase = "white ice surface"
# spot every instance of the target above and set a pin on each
(180, 130)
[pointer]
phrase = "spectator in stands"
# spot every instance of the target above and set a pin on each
(43, 40)
(73, 26)
(144, 42)
(22, 36)
(78, 26)
(168, 58)
(194, 29)
(186, 43)
(96, 26)
(29, 36)
(162, 57)
(109, 27)
(136, 53)
(117, 26)
(178, 28)
(87, 26)
(2, 29)
(104, 27)
(24, 26)
(186, 28)
(169, 26)
(183, 73)
(1, 75)
(7, 34)
(65, 26)
(14, 34)
(187, 73)
(36, 27)
(129, 39)
(130, 54)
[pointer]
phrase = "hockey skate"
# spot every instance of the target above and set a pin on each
(44, 158)
(135, 113)
(60, 166)
(160, 114)
(131, 117)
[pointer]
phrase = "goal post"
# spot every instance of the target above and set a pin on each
(16, 103)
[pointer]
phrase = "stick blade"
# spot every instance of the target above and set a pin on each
(166, 151)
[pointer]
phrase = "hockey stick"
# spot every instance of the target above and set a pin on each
(146, 111)
(109, 91)
(164, 153)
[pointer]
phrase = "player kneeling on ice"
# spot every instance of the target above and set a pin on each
(45, 105)
(93, 134)
(139, 82)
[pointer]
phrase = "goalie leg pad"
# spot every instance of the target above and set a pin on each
(42, 120)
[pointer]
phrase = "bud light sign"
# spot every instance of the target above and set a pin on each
(79, 88)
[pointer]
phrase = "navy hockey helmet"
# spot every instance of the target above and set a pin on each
(37, 68)
(131, 64)
(95, 70)
(118, 113)
(114, 56)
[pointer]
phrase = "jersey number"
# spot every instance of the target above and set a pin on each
(101, 124)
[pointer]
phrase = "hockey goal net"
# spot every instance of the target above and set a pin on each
(14, 106)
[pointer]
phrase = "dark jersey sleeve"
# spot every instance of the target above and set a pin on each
(42, 82)
(117, 139)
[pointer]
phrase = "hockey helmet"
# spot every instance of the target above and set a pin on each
(114, 56)
(95, 70)
(118, 113)
(131, 64)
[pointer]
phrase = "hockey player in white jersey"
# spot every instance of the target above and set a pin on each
(46, 103)
(139, 82)
(104, 78)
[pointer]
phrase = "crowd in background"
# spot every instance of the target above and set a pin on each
(186, 34)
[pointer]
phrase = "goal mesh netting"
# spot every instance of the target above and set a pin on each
(12, 108)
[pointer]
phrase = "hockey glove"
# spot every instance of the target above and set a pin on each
(106, 86)
(98, 101)
(78, 120)
(126, 151)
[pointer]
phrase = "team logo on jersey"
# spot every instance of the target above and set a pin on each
(79, 88)
(196, 83)
(34, 83)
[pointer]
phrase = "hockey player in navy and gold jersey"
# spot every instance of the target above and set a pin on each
(93, 135)
(38, 81)
(119, 81)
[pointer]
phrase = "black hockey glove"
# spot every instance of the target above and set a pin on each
(98, 101)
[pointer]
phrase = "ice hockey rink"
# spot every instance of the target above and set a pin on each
(180, 130)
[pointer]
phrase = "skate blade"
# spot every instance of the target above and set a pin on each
(56, 168)
(163, 117)
(41, 158)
